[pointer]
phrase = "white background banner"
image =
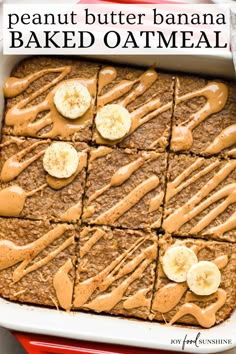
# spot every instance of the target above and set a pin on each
(115, 29)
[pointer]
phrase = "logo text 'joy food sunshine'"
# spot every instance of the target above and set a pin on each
(197, 341)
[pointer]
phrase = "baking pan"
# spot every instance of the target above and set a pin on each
(108, 329)
(103, 328)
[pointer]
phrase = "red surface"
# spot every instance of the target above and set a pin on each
(38, 344)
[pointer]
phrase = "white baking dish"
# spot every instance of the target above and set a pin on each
(102, 328)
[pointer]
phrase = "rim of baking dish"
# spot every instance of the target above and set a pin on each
(110, 329)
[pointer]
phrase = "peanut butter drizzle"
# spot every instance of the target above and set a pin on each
(59, 183)
(106, 302)
(13, 86)
(140, 115)
(85, 289)
(101, 281)
(128, 201)
(45, 260)
(194, 206)
(191, 297)
(17, 115)
(224, 140)
(156, 223)
(206, 317)
(16, 294)
(22, 118)
(213, 214)
(106, 76)
(216, 94)
(14, 166)
(131, 266)
(143, 83)
(231, 153)
(91, 242)
(162, 141)
(116, 92)
(12, 140)
(88, 212)
(36, 190)
(11, 254)
(73, 213)
(101, 151)
(124, 173)
(169, 296)
(136, 267)
(156, 202)
(229, 193)
(178, 184)
(137, 300)
(12, 199)
(228, 225)
(221, 262)
(64, 286)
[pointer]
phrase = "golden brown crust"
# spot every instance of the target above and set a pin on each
(209, 129)
(125, 194)
(48, 203)
(116, 271)
(206, 250)
(36, 286)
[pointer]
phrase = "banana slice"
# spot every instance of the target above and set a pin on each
(61, 160)
(177, 261)
(113, 121)
(204, 278)
(72, 99)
